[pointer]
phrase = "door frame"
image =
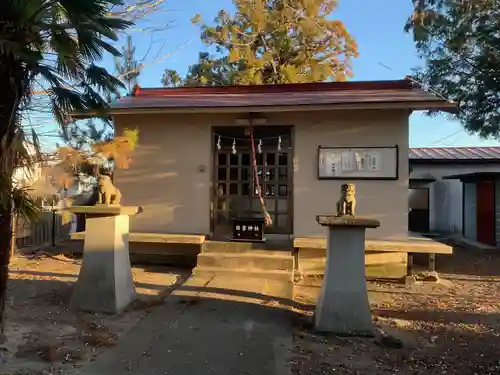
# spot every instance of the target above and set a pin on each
(290, 177)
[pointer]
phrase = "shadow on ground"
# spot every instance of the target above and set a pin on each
(209, 330)
(70, 277)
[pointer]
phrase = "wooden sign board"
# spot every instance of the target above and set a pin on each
(356, 163)
(250, 229)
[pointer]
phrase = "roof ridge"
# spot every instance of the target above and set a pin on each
(402, 84)
(452, 147)
(455, 153)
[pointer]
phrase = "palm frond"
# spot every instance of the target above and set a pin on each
(92, 99)
(70, 66)
(19, 51)
(88, 45)
(108, 26)
(100, 78)
(49, 74)
(108, 47)
(61, 42)
(82, 10)
(25, 206)
(64, 101)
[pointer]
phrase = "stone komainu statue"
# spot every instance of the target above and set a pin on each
(108, 193)
(347, 203)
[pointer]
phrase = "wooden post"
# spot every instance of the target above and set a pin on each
(13, 235)
(410, 279)
(432, 262)
(53, 228)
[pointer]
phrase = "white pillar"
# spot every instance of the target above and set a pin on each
(105, 282)
(343, 307)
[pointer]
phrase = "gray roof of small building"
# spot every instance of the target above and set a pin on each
(455, 153)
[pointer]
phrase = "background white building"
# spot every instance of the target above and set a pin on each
(453, 191)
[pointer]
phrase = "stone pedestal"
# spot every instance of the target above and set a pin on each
(105, 282)
(342, 307)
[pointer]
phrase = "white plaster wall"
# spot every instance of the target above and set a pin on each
(445, 206)
(166, 176)
(470, 211)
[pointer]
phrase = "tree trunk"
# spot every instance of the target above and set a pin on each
(12, 79)
(5, 239)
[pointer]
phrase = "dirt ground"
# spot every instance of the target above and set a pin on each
(46, 337)
(450, 327)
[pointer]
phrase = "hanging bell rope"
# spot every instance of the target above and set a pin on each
(267, 217)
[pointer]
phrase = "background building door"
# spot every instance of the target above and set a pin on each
(235, 190)
(486, 212)
(418, 215)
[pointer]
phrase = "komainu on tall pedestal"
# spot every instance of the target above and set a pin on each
(347, 203)
(343, 307)
(108, 193)
(105, 283)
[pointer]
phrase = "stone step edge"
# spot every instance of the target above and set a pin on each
(246, 255)
(250, 252)
(261, 274)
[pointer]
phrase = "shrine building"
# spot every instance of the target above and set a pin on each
(203, 152)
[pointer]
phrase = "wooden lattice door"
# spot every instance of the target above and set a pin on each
(235, 190)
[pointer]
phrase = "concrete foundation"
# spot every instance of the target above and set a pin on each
(105, 282)
(343, 307)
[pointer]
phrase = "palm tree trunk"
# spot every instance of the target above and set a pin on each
(11, 82)
(5, 236)
(5, 239)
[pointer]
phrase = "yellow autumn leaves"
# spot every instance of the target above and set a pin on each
(283, 41)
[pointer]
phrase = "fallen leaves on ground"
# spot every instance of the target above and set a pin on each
(452, 327)
(43, 331)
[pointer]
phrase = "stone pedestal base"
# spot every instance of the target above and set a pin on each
(343, 307)
(105, 282)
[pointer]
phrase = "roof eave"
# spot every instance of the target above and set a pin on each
(474, 176)
(454, 161)
(422, 179)
(417, 106)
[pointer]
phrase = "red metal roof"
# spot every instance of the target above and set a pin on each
(306, 94)
(455, 153)
(275, 88)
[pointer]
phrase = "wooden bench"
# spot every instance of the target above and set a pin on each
(411, 244)
(188, 239)
(157, 248)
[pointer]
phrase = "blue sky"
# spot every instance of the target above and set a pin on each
(386, 52)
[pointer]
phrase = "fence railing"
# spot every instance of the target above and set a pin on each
(47, 231)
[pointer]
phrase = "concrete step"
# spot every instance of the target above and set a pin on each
(239, 272)
(247, 260)
(242, 247)
(314, 264)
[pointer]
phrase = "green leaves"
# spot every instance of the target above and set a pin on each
(209, 71)
(460, 45)
(60, 42)
(171, 78)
